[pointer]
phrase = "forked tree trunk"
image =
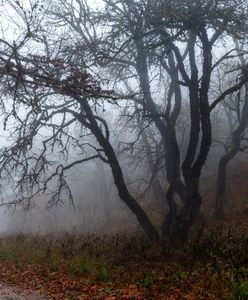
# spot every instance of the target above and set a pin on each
(200, 122)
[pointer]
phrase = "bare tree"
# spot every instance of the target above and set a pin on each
(236, 108)
(193, 28)
(35, 109)
(143, 40)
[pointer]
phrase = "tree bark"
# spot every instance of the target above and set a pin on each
(123, 192)
(168, 134)
(200, 121)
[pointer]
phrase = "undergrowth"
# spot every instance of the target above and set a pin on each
(215, 266)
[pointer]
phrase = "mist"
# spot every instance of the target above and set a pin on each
(123, 151)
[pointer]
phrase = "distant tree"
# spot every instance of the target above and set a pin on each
(236, 108)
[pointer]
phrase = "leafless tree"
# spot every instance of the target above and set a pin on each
(47, 96)
(236, 108)
(143, 40)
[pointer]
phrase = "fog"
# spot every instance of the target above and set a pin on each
(123, 149)
(115, 123)
(96, 206)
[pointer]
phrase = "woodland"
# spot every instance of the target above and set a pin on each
(144, 104)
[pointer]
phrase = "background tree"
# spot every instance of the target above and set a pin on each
(236, 108)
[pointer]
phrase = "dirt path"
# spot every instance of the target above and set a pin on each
(10, 293)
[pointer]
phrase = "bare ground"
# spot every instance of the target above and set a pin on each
(11, 293)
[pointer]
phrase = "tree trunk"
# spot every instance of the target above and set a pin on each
(200, 122)
(156, 186)
(169, 221)
(221, 176)
(221, 186)
(224, 160)
(190, 212)
(167, 130)
(124, 194)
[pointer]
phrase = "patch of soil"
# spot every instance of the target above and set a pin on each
(12, 293)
